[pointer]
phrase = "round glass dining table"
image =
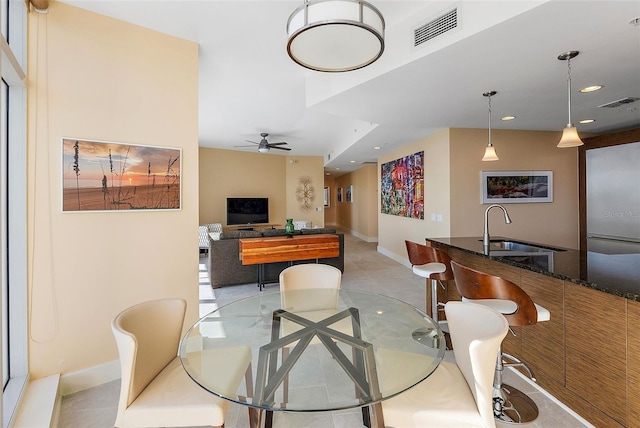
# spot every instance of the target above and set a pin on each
(312, 350)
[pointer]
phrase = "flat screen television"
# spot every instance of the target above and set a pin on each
(247, 210)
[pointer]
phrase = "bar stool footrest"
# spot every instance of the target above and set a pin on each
(516, 362)
(510, 405)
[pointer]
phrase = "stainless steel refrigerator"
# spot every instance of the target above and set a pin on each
(613, 215)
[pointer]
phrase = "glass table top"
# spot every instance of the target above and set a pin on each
(312, 350)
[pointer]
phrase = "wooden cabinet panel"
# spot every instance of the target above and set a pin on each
(543, 343)
(633, 362)
(596, 353)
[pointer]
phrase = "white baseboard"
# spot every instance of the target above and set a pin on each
(393, 256)
(88, 378)
(551, 397)
(363, 237)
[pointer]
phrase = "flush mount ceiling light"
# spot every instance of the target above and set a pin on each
(570, 136)
(490, 151)
(335, 35)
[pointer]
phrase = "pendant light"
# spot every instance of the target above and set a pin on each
(490, 151)
(335, 35)
(570, 136)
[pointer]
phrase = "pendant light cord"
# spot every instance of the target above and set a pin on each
(570, 124)
(490, 120)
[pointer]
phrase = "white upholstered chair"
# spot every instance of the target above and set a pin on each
(203, 237)
(301, 224)
(455, 395)
(305, 276)
(321, 305)
(215, 229)
(155, 390)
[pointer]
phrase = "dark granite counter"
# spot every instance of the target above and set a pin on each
(609, 266)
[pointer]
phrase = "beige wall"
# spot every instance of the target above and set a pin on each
(231, 173)
(394, 230)
(311, 168)
(93, 77)
(359, 216)
(330, 211)
(553, 223)
(453, 168)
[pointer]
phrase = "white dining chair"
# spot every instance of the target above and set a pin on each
(155, 390)
(456, 394)
(306, 276)
(315, 304)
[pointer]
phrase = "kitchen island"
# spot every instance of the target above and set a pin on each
(588, 354)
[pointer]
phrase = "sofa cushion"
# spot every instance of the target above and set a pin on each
(277, 232)
(237, 234)
(317, 230)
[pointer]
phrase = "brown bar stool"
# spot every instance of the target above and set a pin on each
(435, 265)
(509, 404)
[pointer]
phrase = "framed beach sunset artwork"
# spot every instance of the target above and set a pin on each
(109, 176)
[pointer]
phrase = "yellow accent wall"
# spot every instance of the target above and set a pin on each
(93, 77)
(394, 230)
(359, 216)
(555, 223)
(232, 173)
(452, 185)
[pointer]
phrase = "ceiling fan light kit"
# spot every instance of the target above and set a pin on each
(570, 137)
(335, 35)
(264, 146)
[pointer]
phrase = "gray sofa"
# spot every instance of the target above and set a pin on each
(226, 268)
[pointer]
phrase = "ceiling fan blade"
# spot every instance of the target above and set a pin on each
(281, 148)
(278, 144)
(249, 141)
(243, 146)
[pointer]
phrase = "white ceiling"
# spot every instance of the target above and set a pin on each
(248, 84)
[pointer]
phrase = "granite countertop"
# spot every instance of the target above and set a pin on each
(609, 266)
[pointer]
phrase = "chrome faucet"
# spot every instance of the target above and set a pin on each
(485, 236)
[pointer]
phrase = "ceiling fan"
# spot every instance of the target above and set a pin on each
(264, 146)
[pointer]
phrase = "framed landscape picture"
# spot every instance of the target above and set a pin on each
(515, 187)
(108, 176)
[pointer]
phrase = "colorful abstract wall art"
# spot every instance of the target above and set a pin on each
(402, 186)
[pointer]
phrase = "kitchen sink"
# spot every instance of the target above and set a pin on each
(510, 245)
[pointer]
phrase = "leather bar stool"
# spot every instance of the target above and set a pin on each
(509, 404)
(435, 266)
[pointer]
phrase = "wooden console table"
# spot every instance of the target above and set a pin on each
(258, 251)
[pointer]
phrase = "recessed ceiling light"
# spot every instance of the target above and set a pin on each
(352, 161)
(587, 121)
(376, 148)
(591, 88)
(508, 118)
(337, 169)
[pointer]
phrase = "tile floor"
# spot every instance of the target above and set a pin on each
(365, 269)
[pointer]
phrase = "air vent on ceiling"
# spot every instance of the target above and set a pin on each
(369, 163)
(618, 103)
(438, 26)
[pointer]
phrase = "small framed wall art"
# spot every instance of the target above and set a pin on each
(349, 193)
(516, 187)
(339, 194)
